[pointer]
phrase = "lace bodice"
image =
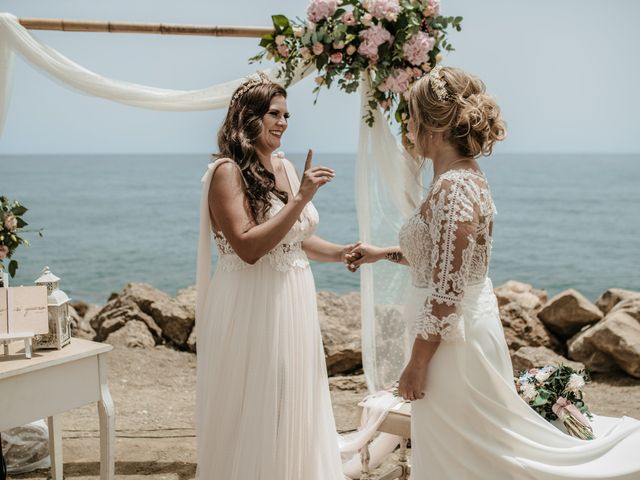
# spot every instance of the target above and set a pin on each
(447, 242)
(288, 253)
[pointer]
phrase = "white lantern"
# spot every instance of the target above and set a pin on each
(59, 321)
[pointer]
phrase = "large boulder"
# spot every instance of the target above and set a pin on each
(618, 335)
(569, 311)
(340, 324)
(523, 329)
(530, 357)
(580, 348)
(630, 306)
(523, 294)
(611, 297)
(166, 318)
(187, 298)
(134, 334)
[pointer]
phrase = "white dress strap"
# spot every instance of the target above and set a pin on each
(203, 266)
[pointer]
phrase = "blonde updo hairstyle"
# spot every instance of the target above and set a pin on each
(468, 118)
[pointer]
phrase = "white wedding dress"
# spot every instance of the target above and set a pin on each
(472, 424)
(263, 405)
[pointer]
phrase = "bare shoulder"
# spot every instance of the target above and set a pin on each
(227, 178)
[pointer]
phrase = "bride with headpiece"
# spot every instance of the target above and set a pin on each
(263, 409)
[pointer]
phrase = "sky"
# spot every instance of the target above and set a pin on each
(564, 72)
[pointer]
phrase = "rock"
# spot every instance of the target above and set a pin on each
(582, 350)
(134, 334)
(92, 311)
(165, 317)
(84, 330)
(630, 306)
(191, 341)
(613, 296)
(530, 357)
(80, 307)
(569, 311)
(521, 293)
(619, 336)
(340, 324)
(523, 329)
(75, 319)
(353, 383)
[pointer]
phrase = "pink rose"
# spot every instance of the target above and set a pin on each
(366, 19)
(336, 57)
(383, 9)
(338, 44)
(351, 49)
(318, 48)
(348, 18)
(4, 251)
(283, 50)
(348, 76)
(280, 39)
(10, 222)
(372, 38)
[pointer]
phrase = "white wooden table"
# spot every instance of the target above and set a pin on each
(397, 422)
(52, 382)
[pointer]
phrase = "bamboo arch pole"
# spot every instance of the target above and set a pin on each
(135, 27)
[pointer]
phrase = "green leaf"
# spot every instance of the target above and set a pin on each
(21, 222)
(280, 22)
(19, 210)
(13, 266)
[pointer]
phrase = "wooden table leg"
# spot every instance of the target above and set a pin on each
(107, 424)
(55, 447)
(402, 459)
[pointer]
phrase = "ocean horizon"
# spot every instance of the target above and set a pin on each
(564, 221)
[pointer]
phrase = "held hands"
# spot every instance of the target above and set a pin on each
(362, 253)
(313, 179)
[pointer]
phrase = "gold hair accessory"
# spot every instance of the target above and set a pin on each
(262, 79)
(437, 83)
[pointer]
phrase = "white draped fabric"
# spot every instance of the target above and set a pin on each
(387, 183)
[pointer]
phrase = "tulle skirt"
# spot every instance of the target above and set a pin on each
(472, 424)
(263, 404)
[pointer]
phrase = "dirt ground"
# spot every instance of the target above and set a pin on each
(154, 395)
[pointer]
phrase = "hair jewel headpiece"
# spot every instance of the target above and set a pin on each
(263, 79)
(438, 83)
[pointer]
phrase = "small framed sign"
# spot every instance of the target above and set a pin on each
(27, 309)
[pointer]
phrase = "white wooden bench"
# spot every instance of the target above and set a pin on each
(397, 422)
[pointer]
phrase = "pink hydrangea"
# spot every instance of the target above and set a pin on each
(348, 18)
(398, 81)
(372, 38)
(383, 9)
(434, 5)
(416, 49)
(4, 251)
(320, 9)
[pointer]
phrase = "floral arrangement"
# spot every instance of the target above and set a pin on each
(395, 41)
(556, 393)
(11, 223)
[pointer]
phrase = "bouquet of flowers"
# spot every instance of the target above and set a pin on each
(396, 41)
(11, 223)
(556, 393)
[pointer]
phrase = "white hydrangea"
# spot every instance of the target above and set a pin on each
(544, 373)
(528, 391)
(575, 383)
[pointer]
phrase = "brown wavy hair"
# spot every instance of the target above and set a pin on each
(470, 119)
(237, 137)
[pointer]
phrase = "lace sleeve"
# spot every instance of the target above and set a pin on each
(452, 215)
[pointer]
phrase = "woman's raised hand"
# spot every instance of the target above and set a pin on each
(313, 178)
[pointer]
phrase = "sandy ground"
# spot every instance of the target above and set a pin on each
(154, 394)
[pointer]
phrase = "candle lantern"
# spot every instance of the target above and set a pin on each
(59, 321)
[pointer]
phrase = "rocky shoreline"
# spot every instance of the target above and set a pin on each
(603, 336)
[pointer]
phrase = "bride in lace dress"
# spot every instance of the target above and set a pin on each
(468, 421)
(263, 405)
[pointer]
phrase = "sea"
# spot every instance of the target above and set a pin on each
(564, 221)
